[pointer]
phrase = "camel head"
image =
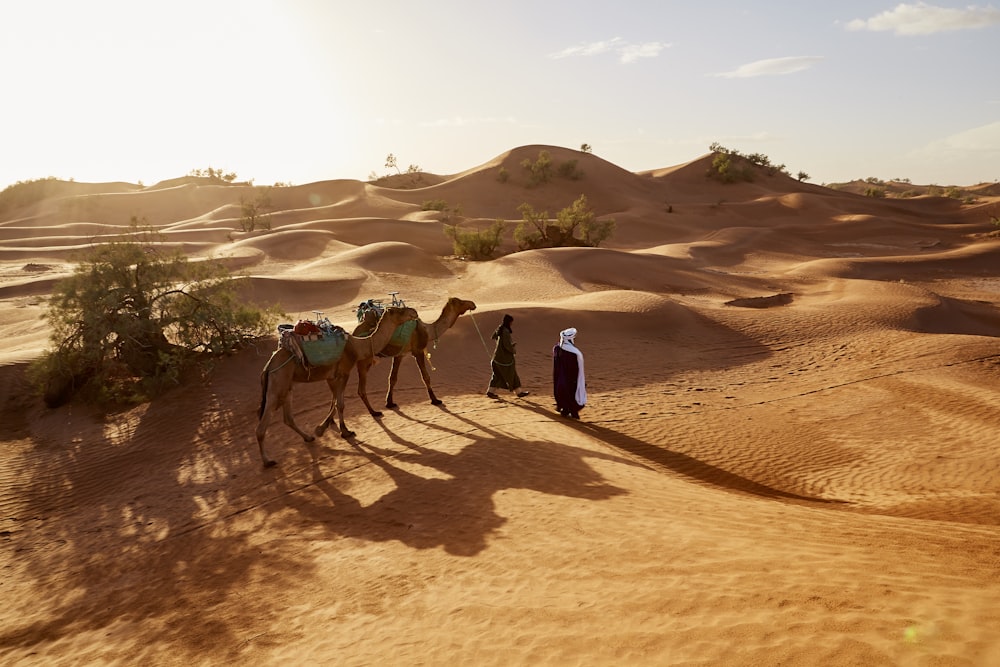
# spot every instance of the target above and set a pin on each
(461, 306)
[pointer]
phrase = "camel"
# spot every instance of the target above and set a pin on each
(283, 370)
(416, 345)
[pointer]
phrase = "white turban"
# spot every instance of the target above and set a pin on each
(566, 342)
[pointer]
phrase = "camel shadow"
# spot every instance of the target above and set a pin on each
(443, 499)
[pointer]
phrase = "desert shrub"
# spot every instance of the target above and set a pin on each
(803, 176)
(476, 244)
(586, 148)
(569, 170)
(877, 193)
(503, 175)
(256, 213)
(539, 171)
(28, 192)
(575, 225)
(727, 169)
(134, 315)
(214, 174)
(434, 205)
(442, 206)
(731, 166)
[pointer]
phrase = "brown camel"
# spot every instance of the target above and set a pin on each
(283, 370)
(416, 345)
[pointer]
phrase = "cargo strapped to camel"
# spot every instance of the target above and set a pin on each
(402, 332)
(313, 342)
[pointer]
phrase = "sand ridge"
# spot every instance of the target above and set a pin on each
(788, 456)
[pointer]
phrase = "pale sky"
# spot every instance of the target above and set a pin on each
(307, 90)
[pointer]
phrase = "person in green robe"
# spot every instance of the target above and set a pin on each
(504, 364)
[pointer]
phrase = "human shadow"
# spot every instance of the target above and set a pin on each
(676, 462)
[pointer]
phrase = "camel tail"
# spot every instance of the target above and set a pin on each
(263, 392)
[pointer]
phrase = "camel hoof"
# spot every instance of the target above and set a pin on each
(437, 401)
(347, 434)
(270, 463)
(391, 406)
(377, 415)
(310, 438)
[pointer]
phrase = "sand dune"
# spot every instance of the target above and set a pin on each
(788, 456)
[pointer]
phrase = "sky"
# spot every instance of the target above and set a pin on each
(298, 91)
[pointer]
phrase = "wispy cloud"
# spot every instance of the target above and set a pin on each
(924, 19)
(772, 67)
(627, 52)
(982, 139)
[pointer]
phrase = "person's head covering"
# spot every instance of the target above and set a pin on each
(507, 319)
(567, 336)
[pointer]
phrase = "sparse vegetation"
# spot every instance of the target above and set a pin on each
(569, 170)
(539, 171)
(447, 212)
(476, 244)
(536, 231)
(803, 176)
(214, 174)
(503, 175)
(256, 213)
(877, 193)
(728, 170)
(24, 193)
(585, 148)
(731, 166)
(134, 316)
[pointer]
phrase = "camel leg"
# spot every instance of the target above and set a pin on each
(421, 358)
(271, 399)
(321, 428)
(363, 368)
(393, 376)
(340, 384)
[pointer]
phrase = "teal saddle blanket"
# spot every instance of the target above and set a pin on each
(316, 348)
(399, 337)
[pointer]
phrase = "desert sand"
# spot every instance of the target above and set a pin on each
(789, 455)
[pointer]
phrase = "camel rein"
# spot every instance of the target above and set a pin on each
(485, 346)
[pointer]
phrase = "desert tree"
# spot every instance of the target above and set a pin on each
(390, 162)
(476, 244)
(134, 315)
(256, 213)
(575, 225)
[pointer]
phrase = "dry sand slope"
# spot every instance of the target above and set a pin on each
(789, 456)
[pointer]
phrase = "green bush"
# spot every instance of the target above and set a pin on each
(434, 205)
(539, 171)
(877, 193)
(476, 244)
(503, 175)
(133, 316)
(728, 170)
(569, 170)
(575, 225)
